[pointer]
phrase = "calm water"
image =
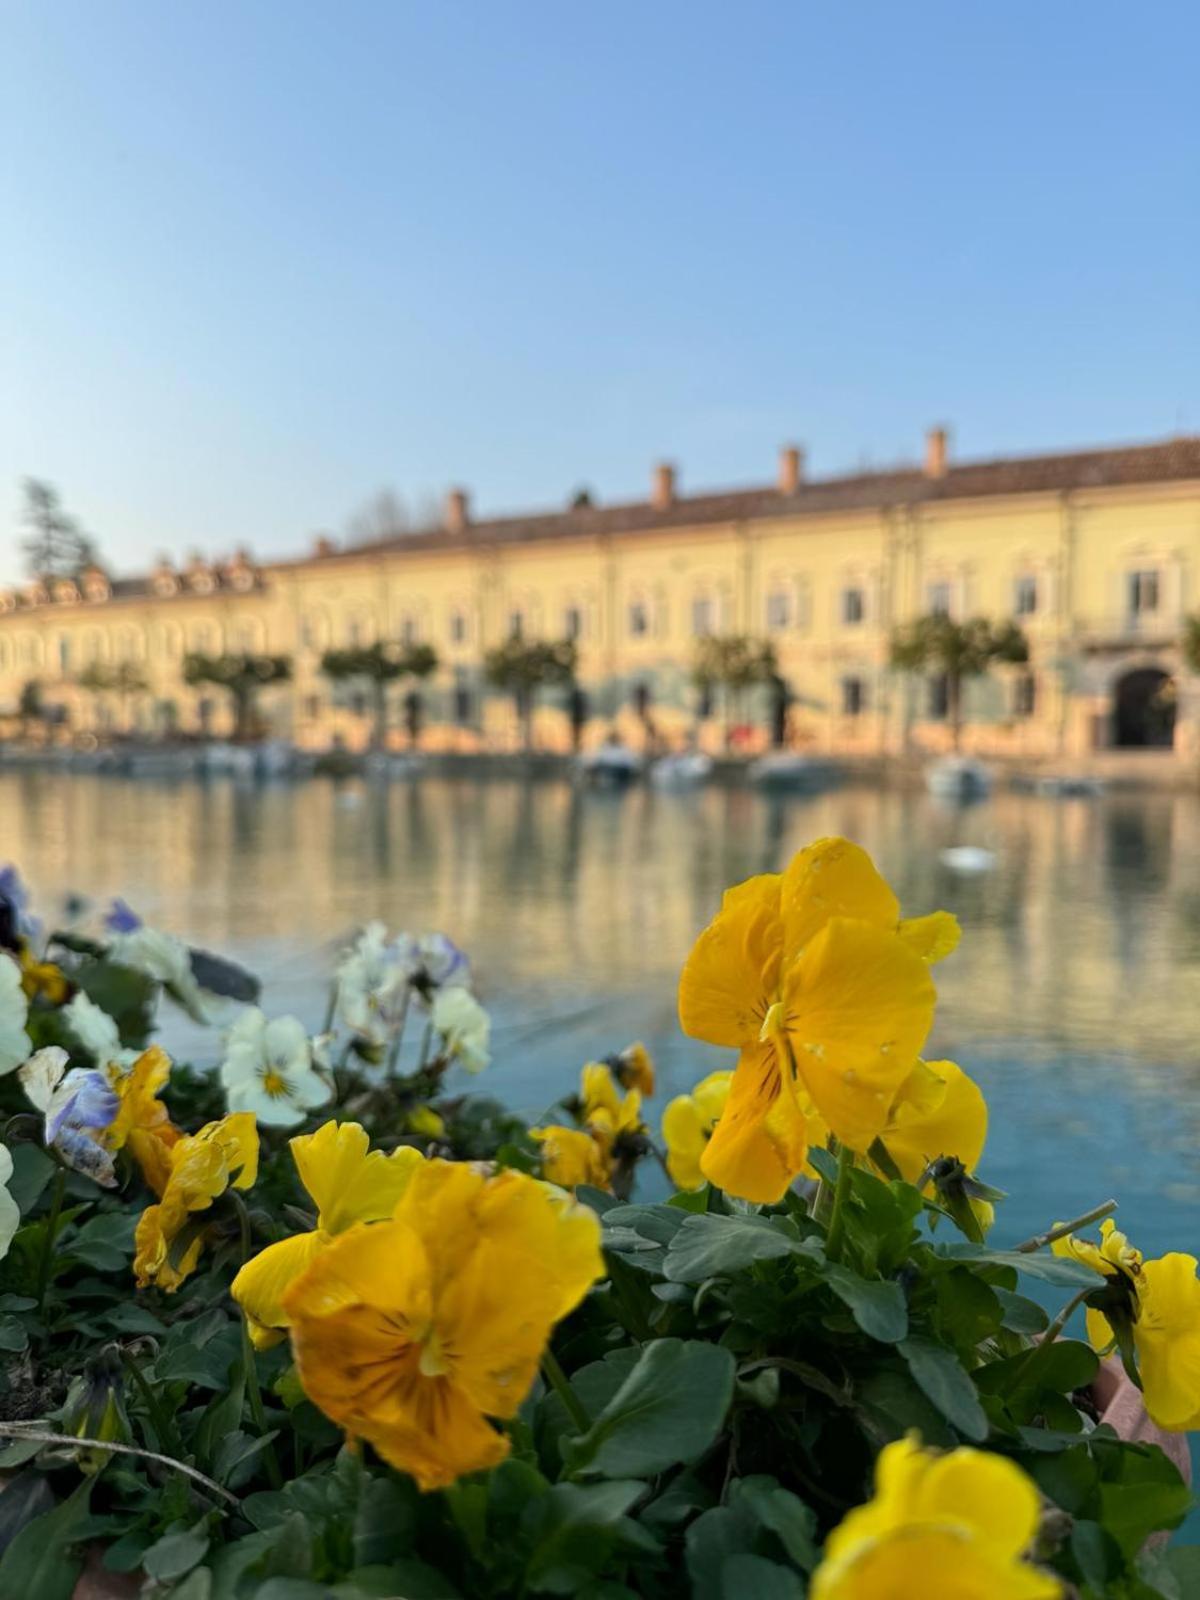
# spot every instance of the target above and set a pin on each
(1073, 998)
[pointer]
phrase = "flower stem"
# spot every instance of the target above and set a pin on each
(837, 1214)
(561, 1385)
(1046, 1340)
(161, 1421)
(254, 1395)
(52, 1225)
(21, 1430)
(1062, 1229)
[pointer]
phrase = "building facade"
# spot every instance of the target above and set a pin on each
(1095, 554)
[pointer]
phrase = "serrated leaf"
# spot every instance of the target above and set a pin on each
(877, 1306)
(667, 1413)
(942, 1378)
(712, 1246)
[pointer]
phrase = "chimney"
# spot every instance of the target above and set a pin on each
(458, 511)
(323, 545)
(791, 469)
(937, 444)
(662, 486)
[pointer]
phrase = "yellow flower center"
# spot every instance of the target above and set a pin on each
(773, 1023)
(274, 1083)
(433, 1362)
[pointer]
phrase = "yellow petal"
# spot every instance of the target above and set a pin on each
(348, 1181)
(1167, 1336)
(731, 976)
(985, 1493)
(934, 937)
(859, 1005)
(832, 878)
(263, 1281)
(898, 1568)
(570, 1156)
(439, 1438)
(925, 1124)
(760, 1144)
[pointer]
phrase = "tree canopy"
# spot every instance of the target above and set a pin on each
(56, 546)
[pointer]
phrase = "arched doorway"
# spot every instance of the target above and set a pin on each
(1144, 710)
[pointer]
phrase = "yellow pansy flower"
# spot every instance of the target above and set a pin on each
(938, 1111)
(812, 975)
(425, 1121)
(687, 1126)
(350, 1183)
(966, 1517)
(634, 1069)
(42, 979)
(223, 1154)
(571, 1156)
(141, 1124)
(412, 1333)
(1163, 1309)
(603, 1108)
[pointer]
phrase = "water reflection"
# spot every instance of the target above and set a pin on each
(1073, 996)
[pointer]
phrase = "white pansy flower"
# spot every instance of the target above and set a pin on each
(432, 961)
(97, 1032)
(372, 983)
(15, 1043)
(268, 1069)
(10, 1212)
(464, 1026)
(165, 958)
(76, 1105)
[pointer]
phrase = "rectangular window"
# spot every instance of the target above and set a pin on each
(1025, 695)
(939, 698)
(1025, 597)
(312, 706)
(1143, 592)
(458, 627)
(854, 697)
(939, 599)
(779, 610)
(353, 633)
(358, 703)
(702, 616)
(64, 654)
(572, 623)
(408, 631)
(854, 606)
(308, 636)
(639, 619)
(516, 624)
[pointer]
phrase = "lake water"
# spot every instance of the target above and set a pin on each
(1073, 998)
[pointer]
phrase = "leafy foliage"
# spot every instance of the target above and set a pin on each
(241, 675)
(956, 650)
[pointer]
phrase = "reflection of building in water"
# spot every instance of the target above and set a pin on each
(1094, 553)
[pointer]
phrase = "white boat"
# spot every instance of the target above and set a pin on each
(611, 765)
(958, 778)
(785, 770)
(389, 764)
(222, 760)
(687, 769)
(1066, 787)
(968, 858)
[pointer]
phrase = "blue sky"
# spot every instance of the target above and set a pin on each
(261, 258)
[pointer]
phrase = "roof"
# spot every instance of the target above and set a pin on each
(1170, 461)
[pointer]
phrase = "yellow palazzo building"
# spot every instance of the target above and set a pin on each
(1095, 553)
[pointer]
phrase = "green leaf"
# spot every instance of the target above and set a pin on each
(782, 1513)
(12, 1334)
(1021, 1315)
(712, 1246)
(41, 1560)
(177, 1552)
(25, 1497)
(1133, 1511)
(743, 1575)
(573, 1527)
(667, 1413)
(876, 1306)
(32, 1171)
(710, 1541)
(385, 1521)
(943, 1379)
(412, 1580)
(1034, 1264)
(104, 1242)
(1096, 1555)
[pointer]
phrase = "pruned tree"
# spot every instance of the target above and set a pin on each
(56, 546)
(31, 705)
(521, 667)
(1190, 643)
(379, 665)
(241, 675)
(956, 651)
(733, 662)
(124, 678)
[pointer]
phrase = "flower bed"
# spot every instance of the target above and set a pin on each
(326, 1323)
